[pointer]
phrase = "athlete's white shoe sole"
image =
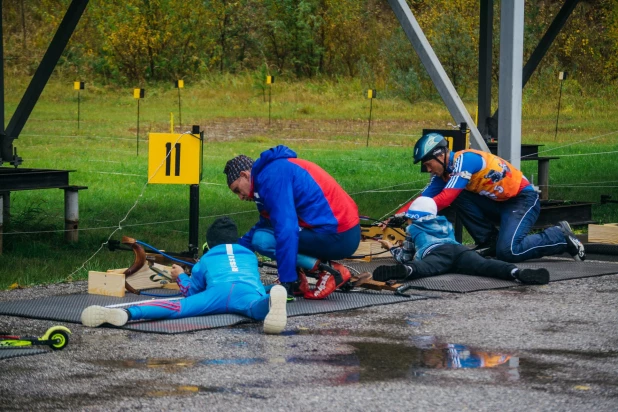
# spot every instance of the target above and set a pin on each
(277, 316)
(94, 316)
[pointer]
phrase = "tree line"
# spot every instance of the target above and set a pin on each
(133, 41)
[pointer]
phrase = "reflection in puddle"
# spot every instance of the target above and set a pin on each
(170, 365)
(234, 361)
(183, 390)
(417, 319)
(373, 361)
(368, 362)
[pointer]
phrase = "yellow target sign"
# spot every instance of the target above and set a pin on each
(174, 158)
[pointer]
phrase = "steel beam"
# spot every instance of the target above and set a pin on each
(41, 76)
(486, 22)
(510, 86)
(435, 70)
(545, 43)
(28, 179)
(548, 38)
(2, 134)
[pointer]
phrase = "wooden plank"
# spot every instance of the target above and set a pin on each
(369, 247)
(140, 280)
(607, 233)
(364, 280)
(107, 284)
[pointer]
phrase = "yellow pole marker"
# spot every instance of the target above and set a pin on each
(179, 84)
(371, 94)
(269, 81)
(138, 94)
(171, 122)
(78, 86)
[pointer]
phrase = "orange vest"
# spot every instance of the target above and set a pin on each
(498, 180)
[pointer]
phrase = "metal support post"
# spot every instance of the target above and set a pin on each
(71, 214)
(543, 176)
(6, 208)
(194, 219)
(544, 44)
(1, 221)
(485, 65)
(510, 87)
(3, 137)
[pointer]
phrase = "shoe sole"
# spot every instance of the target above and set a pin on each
(534, 276)
(94, 316)
(277, 316)
(396, 272)
(580, 255)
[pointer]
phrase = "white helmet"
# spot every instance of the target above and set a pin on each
(421, 207)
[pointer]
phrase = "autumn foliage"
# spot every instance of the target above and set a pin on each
(122, 41)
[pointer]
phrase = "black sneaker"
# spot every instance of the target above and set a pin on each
(290, 288)
(533, 276)
(391, 272)
(487, 249)
(575, 248)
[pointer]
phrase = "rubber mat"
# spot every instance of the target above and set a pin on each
(558, 270)
(602, 252)
(68, 308)
(15, 353)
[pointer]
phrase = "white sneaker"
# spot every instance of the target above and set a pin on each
(277, 316)
(94, 316)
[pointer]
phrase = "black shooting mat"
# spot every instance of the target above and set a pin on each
(559, 269)
(602, 252)
(68, 308)
(14, 353)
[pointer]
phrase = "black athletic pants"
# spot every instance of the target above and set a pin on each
(450, 258)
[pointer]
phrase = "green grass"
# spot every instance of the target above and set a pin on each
(323, 122)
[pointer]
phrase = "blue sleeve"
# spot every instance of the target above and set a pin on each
(435, 186)
(465, 166)
(194, 284)
(278, 198)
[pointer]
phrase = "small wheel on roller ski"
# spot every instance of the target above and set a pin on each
(58, 340)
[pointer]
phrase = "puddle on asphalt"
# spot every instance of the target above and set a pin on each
(368, 362)
(170, 365)
(183, 390)
(344, 332)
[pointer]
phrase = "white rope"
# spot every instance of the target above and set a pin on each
(571, 144)
(124, 226)
(386, 191)
(579, 187)
(387, 187)
(130, 209)
(111, 173)
(79, 137)
(586, 154)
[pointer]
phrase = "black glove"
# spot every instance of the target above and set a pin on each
(397, 220)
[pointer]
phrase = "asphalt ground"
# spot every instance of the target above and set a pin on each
(552, 348)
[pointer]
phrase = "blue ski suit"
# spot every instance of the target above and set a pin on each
(225, 280)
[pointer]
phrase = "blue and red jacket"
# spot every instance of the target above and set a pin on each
(291, 194)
